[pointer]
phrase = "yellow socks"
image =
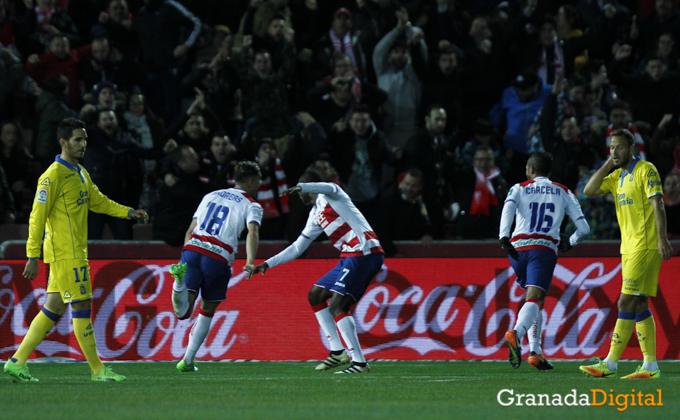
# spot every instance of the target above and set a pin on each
(82, 328)
(622, 332)
(646, 333)
(40, 327)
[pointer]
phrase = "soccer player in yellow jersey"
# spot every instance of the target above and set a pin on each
(636, 186)
(64, 197)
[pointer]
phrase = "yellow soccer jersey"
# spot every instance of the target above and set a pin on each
(65, 194)
(632, 189)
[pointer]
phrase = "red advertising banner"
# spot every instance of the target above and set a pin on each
(422, 308)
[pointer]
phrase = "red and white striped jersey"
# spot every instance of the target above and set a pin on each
(639, 141)
(220, 219)
(538, 207)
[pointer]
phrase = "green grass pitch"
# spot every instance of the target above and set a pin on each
(412, 390)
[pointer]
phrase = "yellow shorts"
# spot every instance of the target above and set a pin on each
(640, 271)
(71, 279)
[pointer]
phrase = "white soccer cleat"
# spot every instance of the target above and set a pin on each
(355, 368)
(333, 361)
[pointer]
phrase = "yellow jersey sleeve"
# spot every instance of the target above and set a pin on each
(45, 197)
(609, 182)
(652, 181)
(100, 203)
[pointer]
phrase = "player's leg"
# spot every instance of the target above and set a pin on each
(180, 293)
(536, 357)
(340, 307)
(317, 297)
(199, 331)
(41, 325)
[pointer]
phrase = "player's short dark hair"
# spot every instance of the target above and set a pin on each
(66, 127)
(245, 171)
(361, 109)
(542, 162)
(623, 105)
(483, 148)
(434, 107)
(416, 173)
(311, 176)
(622, 132)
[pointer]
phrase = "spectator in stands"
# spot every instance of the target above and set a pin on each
(106, 63)
(483, 134)
(480, 193)
(671, 200)
(403, 213)
(116, 22)
(52, 105)
(514, 114)
(597, 78)
(621, 117)
(322, 164)
(442, 86)
(307, 141)
(664, 19)
(340, 40)
(397, 59)
(60, 59)
(85, 14)
(445, 20)
(196, 125)
(159, 25)
(13, 79)
(217, 165)
(265, 89)
(273, 184)
(8, 28)
(179, 201)
(7, 210)
(40, 25)
(258, 18)
(114, 161)
(654, 92)
(665, 147)
(21, 168)
(331, 103)
(665, 47)
(358, 152)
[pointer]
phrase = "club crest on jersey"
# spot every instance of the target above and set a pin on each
(42, 196)
(46, 182)
(67, 295)
(82, 289)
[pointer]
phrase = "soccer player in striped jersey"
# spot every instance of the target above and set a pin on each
(361, 258)
(636, 185)
(65, 196)
(538, 206)
(210, 249)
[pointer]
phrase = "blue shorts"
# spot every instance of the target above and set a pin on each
(207, 275)
(352, 275)
(535, 268)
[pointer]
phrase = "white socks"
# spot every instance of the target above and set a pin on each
(526, 318)
(197, 335)
(535, 334)
(323, 315)
(348, 329)
(180, 299)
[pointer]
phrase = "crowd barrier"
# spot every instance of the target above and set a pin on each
(416, 308)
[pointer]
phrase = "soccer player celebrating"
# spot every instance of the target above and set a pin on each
(539, 206)
(361, 257)
(639, 209)
(64, 197)
(210, 249)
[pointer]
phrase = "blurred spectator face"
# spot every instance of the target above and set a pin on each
(620, 118)
(106, 98)
(118, 10)
(525, 95)
(483, 161)
(9, 135)
(570, 130)
(479, 30)
(266, 152)
(600, 78)
(664, 8)
(136, 105)
(671, 186)
(46, 4)
(577, 93)
(324, 168)
(399, 57)
(341, 25)
(263, 64)
(655, 69)
(435, 123)
(342, 93)
(447, 63)
(222, 148)
(194, 127)
(360, 123)
(100, 50)
(108, 122)
(219, 37)
(275, 29)
(621, 150)
(546, 36)
(342, 67)
(666, 43)
(59, 46)
(189, 162)
(411, 186)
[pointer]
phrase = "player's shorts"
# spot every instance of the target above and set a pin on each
(207, 275)
(352, 275)
(535, 268)
(71, 279)
(640, 272)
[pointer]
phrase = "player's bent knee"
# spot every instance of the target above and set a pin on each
(82, 305)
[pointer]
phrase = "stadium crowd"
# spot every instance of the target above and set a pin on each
(424, 111)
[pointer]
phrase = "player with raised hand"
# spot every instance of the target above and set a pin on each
(64, 198)
(210, 249)
(361, 258)
(538, 207)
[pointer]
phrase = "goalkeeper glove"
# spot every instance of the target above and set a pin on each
(564, 244)
(507, 247)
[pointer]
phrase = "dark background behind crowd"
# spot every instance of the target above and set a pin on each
(424, 111)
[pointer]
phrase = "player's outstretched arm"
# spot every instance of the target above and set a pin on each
(31, 269)
(139, 215)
